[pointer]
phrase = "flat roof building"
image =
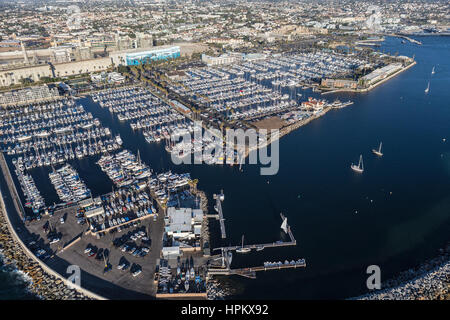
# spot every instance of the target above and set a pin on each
(183, 222)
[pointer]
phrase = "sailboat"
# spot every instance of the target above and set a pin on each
(378, 152)
(432, 71)
(284, 225)
(242, 249)
(360, 167)
(428, 87)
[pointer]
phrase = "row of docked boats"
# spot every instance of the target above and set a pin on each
(60, 154)
(124, 168)
(122, 206)
(167, 183)
(68, 184)
(142, 110)
(66, 140)
(186, 279)
(299, 262)
(33, 198)
(168, 131)
(206, 150)
(118, 94)
(17, 115)
(229, 96)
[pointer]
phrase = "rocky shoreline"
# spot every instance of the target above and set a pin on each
(43, 285)
(429, 281)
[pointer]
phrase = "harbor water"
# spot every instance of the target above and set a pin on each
(394, 215)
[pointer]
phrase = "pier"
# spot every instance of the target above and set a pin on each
(407, 38)
(250, 272)
(219, 198)
(262, 246)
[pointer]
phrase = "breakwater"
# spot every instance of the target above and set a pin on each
(42, 284)
(429, 281)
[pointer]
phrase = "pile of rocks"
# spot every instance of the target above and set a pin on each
(42, 284)
(429, 281)
(214, 291)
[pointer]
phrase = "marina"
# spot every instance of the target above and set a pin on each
(143, 111)
(167, 186)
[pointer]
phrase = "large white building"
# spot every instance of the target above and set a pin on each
(183, 223)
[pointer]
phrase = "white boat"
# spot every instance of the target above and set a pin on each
(378, 152)
(432, 71)
(242, 249)
(230, 257)
(284, 225)
(360, 167)
(428, 87)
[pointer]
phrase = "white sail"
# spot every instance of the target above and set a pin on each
(284, 225)
(432, 71)
(428, 88)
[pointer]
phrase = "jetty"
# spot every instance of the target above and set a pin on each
(407, 38)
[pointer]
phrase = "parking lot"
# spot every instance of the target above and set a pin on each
(106, 253)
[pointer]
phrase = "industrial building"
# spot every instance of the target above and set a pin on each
(133, 59)
(380, 74)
